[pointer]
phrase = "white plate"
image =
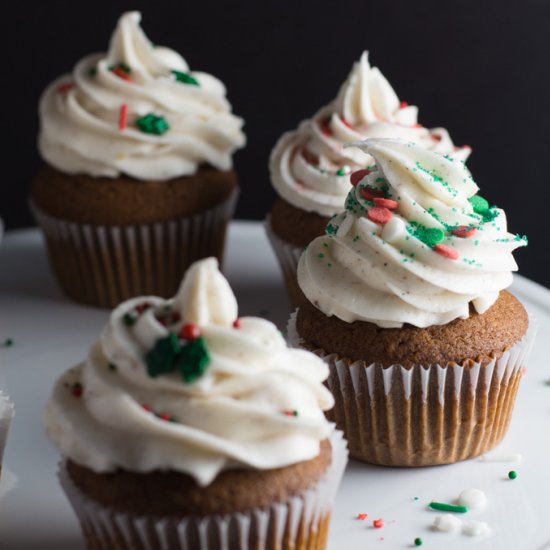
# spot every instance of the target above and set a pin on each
(51, 334)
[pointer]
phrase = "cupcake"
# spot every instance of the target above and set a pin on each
(405, 301)
(189, 427)
(310, 168)
(137, 180)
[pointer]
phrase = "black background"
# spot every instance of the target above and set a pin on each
(480, 69)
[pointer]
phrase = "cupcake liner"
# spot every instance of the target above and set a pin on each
(6, 414)
(105, 265)
(302, 521)
(424, 415)
(288, 256)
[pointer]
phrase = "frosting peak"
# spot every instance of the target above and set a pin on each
(184, 385)
(137, 110)
(416, 243)
(310, 166)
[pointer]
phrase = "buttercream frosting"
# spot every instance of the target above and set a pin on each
(233, 396)
(416, 243)
(310, 167)
(137, 110)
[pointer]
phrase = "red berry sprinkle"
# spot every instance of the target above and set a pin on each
(362, 516)
(147, 408)
(390, 204)
(140, 308)
(62, 88)
(446, 251)
(379, 215)
(123, 117)
(190, 331)
(325, 127)
(77, 389)
(165, 416)
(121, 74)
(463, 231)
(370, 194)
(346, 123)
(237, 323)
(403, 104)
(378, 523)
(358, 175)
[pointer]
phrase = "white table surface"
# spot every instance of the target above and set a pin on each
(51, 334)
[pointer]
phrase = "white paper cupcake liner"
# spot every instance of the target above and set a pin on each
(105, 265)
(7, 412)
(288, 256)
(424, 415)
(299, 522)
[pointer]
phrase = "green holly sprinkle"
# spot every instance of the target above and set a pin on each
(479, 204)
(161, 358)
(185, 78)
(152, 124)
(193, 360)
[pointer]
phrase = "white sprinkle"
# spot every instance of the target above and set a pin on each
(474, 499)
(501, 456)
(394, 230)
(447, 523)
(475, 528)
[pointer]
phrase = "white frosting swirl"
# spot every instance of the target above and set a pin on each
(400, 271)
(309, 166)
(81, 128)
(239, 413)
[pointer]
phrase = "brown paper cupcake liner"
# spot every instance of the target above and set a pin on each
(105, 265)
(288, 256)
(424, 415)
(299, 523)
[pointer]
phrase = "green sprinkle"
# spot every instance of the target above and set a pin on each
(325, 245)
(415, 498)
(129, 319)
(418, 541)
(512, 474)
(442, 507)
(112, 367)
(161, 358)
(8, 343)
(320, 255)
(152, 124)
(185, 78)
(340, 172)
(122, 66)
(193, 360)
(430, 236)
(92, 71)
(331, 229)
(479, 204)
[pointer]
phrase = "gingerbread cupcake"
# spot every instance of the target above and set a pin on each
(137, 181)
(405, 301)
(190, 427)
(310, 168)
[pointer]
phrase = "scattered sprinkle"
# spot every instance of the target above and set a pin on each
(463, 231)
(123, 117)
(152, 124)
(512, 474)
(185, 78)
(379, 215)
(403, 105)
(501, 456)
(370, 193)
(292, 412)
(378, 523)
(390, 204)
(418, 541)
(446, 251)
(8, 343)
(189, 331)
(362, 516)
(237, 323)
(442, 507)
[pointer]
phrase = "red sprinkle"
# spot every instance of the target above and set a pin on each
(446, 251)
(362, 516)
(62, 88)
(175, 317)
(140, 308)
(77, 390)
(358, 175)
(378, 523)
(325, 127)
(379, 214)
(123, 117)
(147, 408)
(290, 413)
(370, 194)
(403, 105)
(463, 231)
(390, 204)
(121, 74)
(190, 331)
(346, 123)
(418, 125)
(165, 416)
(237, 323)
